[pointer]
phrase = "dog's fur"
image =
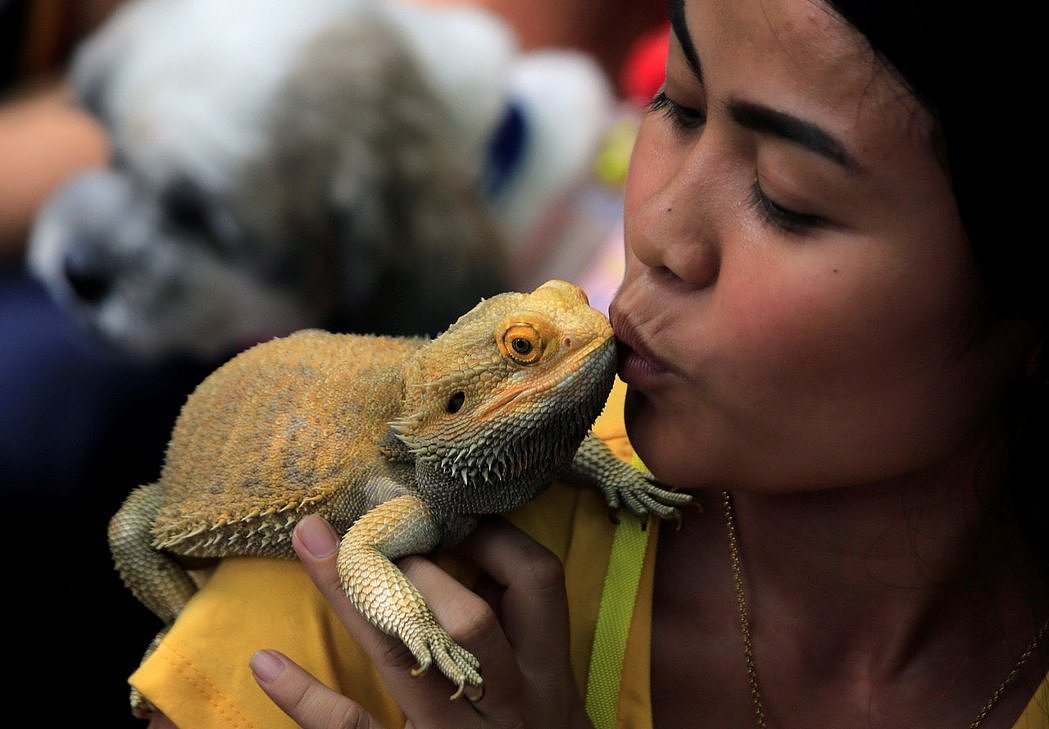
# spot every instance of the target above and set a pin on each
(286, 164)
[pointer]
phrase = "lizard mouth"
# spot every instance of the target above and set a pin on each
(562, 376)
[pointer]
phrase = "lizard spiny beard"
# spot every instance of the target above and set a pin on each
(511, 459)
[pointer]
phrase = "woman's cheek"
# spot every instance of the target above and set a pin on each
(766, 321)
(653, 163)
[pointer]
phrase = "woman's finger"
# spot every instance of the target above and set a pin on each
(418, 696)
(534, 606)
(305, 699)
(533, 611)
(525, 650)
(472, 622)
(526, 675)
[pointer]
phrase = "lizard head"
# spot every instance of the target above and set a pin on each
(499, 403)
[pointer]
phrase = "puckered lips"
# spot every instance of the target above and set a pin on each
(638, 365)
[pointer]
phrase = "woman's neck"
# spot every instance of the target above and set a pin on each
(921, 583)
(874, 567)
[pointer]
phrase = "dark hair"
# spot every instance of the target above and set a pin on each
(973, 69)
(969, 66)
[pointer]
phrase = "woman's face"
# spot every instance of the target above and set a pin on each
(798, 281)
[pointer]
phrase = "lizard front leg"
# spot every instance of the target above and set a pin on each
(382, 593)
(622, 484)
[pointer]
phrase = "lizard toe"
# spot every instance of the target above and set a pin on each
(141, 708)
(458, 664)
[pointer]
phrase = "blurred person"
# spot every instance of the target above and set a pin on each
(77, 423)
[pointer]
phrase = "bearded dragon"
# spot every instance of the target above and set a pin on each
(401, 443)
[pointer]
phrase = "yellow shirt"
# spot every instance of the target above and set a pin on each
(199, 674)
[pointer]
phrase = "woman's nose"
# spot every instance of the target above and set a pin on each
(676, 202)
(672, 232)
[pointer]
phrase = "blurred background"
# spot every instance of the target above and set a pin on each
(82, 423)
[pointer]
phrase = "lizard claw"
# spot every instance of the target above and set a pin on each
(645, 497)
(141, 708)
(455, 662)
(472, 698)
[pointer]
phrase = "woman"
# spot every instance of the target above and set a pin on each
(823, 339)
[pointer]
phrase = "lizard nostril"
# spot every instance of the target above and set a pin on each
(567, 343)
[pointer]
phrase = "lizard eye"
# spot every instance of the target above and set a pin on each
(522, 343)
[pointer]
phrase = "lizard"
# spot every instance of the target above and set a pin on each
(402, 444)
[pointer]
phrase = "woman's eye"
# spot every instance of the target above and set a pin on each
(682, 117)
(788, 220)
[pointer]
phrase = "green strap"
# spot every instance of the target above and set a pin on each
(613, 620)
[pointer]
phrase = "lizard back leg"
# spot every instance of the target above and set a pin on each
(157, 580)
(382, 593)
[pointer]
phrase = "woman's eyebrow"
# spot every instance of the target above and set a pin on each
(680, 28)
(762, 119)
(812, 137)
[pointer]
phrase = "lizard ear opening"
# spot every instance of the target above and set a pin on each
(455, 402)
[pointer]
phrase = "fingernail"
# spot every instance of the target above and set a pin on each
(317, 536)
(266, 665)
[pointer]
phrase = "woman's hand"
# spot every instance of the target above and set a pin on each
(520, 635)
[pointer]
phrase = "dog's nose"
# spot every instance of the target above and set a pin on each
(88, 275)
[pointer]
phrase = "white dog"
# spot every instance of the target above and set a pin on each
(355, 164)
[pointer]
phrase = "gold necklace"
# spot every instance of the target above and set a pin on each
(748, 645)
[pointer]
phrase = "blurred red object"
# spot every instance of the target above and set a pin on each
(645, 67)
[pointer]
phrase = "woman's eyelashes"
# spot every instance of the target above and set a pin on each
(680, 116)
(686, 118)
(783, 218)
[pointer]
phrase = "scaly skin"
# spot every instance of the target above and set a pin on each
(402, 444)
